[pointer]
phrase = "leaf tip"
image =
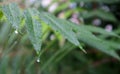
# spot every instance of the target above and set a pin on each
(82, 49)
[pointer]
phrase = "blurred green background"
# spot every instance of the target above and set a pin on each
(59, 56)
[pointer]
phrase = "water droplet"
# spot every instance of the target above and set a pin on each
(16, 32)
(52, 37)
(38, 60)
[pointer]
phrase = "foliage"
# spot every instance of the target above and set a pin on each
(56, 41)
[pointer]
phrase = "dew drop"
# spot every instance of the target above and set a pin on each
(52, 37)
(38, 60)
(16, 32)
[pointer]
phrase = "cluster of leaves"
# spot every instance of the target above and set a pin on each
(38, 26)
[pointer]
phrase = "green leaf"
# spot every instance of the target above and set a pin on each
(100, 1)
(4, 32)
(57, 55)
(61, 7)
(99, 30)
(34, 29)
(59, 26)
(87, 37)
(13, 14)
(4, 63)
(99, 13)
(1, 13)
(114, 44)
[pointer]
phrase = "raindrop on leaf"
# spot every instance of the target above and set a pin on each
(16, 32)
(38, 60)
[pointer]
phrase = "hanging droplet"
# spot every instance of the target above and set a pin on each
(16, 32)
(38, 60)
(52, 37)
